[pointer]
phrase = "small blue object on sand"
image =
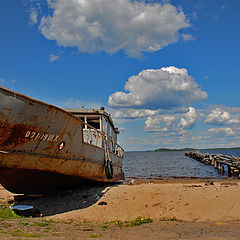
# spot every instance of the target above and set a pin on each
(25, 210)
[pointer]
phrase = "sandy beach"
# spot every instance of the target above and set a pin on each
(186, 201)
(196, 203)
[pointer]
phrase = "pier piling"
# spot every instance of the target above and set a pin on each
(218, 161)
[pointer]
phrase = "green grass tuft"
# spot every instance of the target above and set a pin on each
(105, 226)
(7, 213)
(171, 219)
(135, 222)
(43, 223)
(20, 233)
(56, 234)
(92, 235)
(23, 223)
(139, 221)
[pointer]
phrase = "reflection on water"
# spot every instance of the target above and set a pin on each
(168, 164)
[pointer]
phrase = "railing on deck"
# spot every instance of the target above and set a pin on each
(95, 137)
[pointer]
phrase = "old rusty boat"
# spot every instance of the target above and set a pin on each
(44, 147)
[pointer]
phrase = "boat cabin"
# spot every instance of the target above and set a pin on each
(97, 119)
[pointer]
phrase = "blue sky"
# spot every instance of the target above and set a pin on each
(167, 71)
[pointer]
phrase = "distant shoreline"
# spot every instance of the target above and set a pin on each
(193, 149)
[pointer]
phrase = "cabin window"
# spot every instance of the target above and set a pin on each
(105, 125)
(83, 119)
(111, 132)
(113, 135)
(94, 122)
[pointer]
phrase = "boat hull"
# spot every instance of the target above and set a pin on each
(31, 136)
(33, 181)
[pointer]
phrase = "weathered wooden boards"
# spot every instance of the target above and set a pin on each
(232, 163)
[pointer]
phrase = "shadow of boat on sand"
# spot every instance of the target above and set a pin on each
(64, 200)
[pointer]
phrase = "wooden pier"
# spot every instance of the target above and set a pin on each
(218, 161)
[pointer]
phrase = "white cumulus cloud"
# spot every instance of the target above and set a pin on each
(188, 119)
(33, 17)
(222, 115)
(165, 88)
(225, 131)
(163, 123)
(187, 37)
(53, 57)
(134, 113)
(113, 25)
(160, 123)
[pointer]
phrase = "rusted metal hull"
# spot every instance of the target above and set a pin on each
(31, 133)
(32, 181)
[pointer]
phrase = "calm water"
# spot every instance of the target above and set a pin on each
(168, 164)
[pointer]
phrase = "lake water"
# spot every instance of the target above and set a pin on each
(169, 164)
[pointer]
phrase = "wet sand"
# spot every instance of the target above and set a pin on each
(196, 204)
